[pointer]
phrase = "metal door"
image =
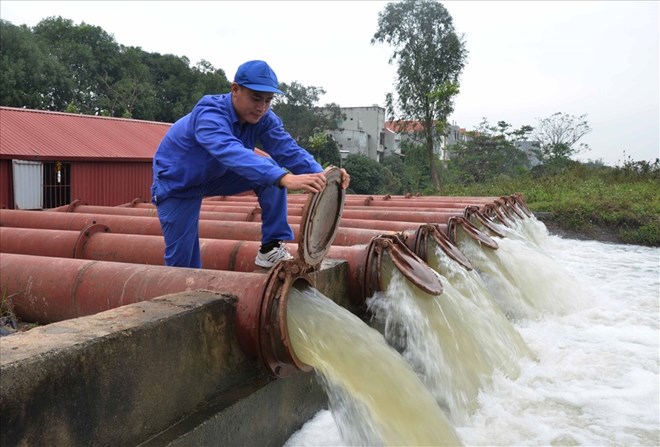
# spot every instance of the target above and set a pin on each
(28, 184)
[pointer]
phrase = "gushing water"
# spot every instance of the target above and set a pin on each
(375, 396)
(597, 379)
(593, 376)
(524, 279)
(453, 341)
(530, 230)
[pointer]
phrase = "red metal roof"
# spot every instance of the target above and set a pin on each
(404, 126)
(39, 134)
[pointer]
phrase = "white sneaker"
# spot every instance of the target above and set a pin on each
(269, 259)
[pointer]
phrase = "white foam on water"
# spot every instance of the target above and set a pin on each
(596, 378)
(526, 280)
(453, 341)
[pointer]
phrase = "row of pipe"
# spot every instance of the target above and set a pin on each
(96, 242)
(107, 258)
(53, 289)
(294, 213)
(113, 245)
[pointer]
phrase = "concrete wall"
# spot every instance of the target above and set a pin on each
(168, 371)
(367, 120)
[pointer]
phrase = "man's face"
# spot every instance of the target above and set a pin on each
(250, 105)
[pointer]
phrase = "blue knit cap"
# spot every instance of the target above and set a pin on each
(257, 76)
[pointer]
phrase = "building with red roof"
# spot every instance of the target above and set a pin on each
(49, 159)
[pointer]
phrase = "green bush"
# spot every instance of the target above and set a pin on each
(623, 200)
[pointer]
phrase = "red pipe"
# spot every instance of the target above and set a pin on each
(46, 290)
(511, 205)
(241, 208)
(210, 229)
(253, 213)
(381, 225)
(448, 207)
(352, 199)
(75, 221)
(499, 208)
(388, 197)
(295, 209)
(151, 212)
(348, 213)
(367, 219)
(373, 200)
(96, 243)
(403, 216)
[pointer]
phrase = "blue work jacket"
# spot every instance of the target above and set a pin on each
(210, 141)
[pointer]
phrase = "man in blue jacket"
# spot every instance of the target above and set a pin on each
(211, 151)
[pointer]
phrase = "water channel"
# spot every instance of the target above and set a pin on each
(553, 342)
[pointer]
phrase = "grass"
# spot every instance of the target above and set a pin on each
(622, 201)
(8, 320)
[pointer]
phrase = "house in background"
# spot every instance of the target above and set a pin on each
(363, 132)
(412, 131)
(49, 159)
(455, 135)
(366, 132)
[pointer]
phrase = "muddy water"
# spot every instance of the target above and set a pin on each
(375, 396)
(454, 341)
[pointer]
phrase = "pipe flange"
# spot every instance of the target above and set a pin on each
(503, 206)
(520, 201)
(408, 263)
(419, 239)
(72, 206)
(511, 206)
(275, 350)
(253, 214)
(441, 239)
(474, 211)
(83, 237)
(487, 210)
(320, 219)
(450, 249)
(472, 231)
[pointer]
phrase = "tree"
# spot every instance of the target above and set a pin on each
(300, 113)
(174, 83)
(558, 136)
(416, 168)
(60, 66)
(324, 148)
(132, 94)
(29, 76)
(366, 174)
(91, 57)
(391, 183)
(430, 56)
(489, 152)
(210, 80)
(395, 165)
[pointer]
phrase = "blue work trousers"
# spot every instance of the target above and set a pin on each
(179, 218)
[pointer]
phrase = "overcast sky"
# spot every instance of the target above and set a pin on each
(527, 60)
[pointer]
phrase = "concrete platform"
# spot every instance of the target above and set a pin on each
(164, 372)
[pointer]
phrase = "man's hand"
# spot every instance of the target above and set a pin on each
(306, 182)
(345, 178)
